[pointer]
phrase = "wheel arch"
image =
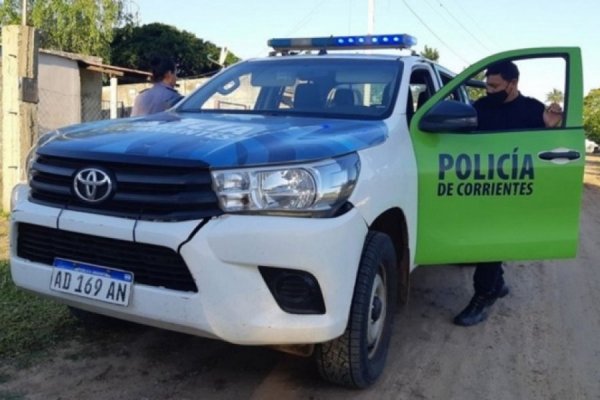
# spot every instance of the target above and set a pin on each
(392, 222)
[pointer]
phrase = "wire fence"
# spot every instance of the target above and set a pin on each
(57, 109)
(122, 110)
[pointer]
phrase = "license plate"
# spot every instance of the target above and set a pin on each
(91, 281)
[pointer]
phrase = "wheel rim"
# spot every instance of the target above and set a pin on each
(377, 312)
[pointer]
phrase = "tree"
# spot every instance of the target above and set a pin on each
(431, 54)
(476, 92)
(555, 96)
(135, 46)
(591, 115)
(79, 26)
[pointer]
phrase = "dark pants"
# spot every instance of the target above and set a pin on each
(488, 278)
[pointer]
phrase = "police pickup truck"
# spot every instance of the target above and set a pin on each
(286, 201)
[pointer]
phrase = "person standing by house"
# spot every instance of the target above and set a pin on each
(162, 95)
(504, 108)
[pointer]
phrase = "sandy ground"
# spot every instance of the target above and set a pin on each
(541, 342)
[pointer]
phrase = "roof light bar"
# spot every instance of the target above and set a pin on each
(398, 41)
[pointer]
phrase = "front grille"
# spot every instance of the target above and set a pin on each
(151, 265)
(158, 193)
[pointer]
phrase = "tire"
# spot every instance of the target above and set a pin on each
(356, 359)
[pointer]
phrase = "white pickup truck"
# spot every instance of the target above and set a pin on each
(286, 201)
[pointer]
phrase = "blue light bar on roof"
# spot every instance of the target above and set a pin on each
(401, 41)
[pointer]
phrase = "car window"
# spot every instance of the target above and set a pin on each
(421, 87)
(327, 87)
(458, 94)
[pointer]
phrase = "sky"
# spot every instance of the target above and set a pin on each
(463, 31)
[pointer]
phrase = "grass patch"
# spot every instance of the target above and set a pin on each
(11, 396)
(4, 378)
(30, 325)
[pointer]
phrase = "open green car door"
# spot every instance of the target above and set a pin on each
(502, 195)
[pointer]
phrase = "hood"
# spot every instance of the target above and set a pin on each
(214, 140)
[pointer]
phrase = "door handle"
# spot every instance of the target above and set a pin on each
(570, 155)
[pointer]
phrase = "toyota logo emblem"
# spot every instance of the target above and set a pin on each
(92, 185)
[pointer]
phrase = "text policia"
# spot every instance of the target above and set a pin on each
(508, 174)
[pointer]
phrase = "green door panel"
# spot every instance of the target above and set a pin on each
(490, 196)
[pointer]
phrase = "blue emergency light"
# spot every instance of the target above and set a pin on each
(400, 41)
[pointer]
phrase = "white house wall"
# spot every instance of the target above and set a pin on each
(59, 92)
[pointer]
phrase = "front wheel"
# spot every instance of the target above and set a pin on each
(356, 359)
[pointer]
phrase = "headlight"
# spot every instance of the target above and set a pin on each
(32, 155)
(316, 189)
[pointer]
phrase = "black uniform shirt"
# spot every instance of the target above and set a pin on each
(521, 113)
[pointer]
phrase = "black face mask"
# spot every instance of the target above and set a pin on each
(498, 98)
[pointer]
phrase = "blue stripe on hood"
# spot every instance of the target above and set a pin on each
(215, 140)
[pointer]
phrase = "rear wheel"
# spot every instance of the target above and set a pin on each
(356, 359)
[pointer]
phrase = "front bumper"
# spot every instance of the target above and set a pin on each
(233, 302)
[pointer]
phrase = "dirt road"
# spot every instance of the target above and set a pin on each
(541, 342)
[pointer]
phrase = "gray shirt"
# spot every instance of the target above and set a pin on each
(156, 99)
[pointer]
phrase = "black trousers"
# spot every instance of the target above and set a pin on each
(488, 278)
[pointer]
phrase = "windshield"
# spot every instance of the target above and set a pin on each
(334, 88)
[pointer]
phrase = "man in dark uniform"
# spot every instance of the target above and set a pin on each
(504, 108)
(162, 95)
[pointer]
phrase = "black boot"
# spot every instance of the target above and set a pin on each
(477, 309)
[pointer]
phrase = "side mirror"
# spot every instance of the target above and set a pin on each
(449, 116)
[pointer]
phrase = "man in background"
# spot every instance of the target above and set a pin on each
(162, 95)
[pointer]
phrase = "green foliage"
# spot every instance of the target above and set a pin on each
(79, 26)
(591, 115)
(10, 12)
(30, 324)
(231, 59)
(135, 46)
(431, 53)
(555, 96)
